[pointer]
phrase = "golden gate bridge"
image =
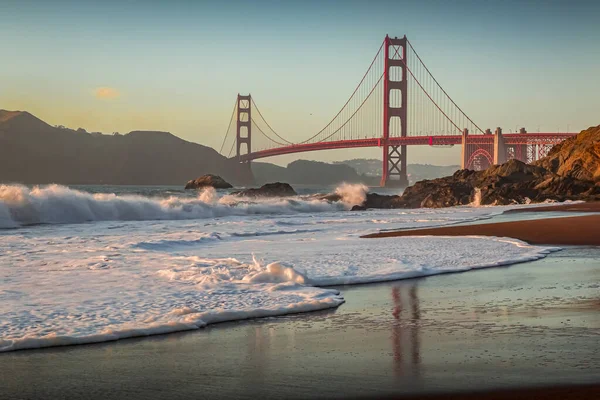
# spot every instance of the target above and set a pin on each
(397, 103)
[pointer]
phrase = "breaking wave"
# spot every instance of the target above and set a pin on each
(352, 194)
(56, 204)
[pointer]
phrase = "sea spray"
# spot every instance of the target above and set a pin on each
(352, 194)
(56, 204)
(476, 198)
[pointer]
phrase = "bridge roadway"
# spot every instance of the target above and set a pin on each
(439, 140)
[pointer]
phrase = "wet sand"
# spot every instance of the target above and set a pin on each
(577, 207)
(512, 328)
(578, 231)
(577, 392)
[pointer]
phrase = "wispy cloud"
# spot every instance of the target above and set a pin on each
(106, 93)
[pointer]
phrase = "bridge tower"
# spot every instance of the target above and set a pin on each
(244, 124)
(394, 157)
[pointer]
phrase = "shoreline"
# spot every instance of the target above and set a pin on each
(484, 334)
(573, 231)
(563, 392)
(585, 207)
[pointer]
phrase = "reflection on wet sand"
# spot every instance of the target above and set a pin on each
(405, 330)
(259, 349)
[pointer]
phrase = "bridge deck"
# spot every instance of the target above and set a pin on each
(439, 140)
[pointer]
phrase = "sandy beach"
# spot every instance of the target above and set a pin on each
(575, 231)
(510, 328)
(576, 207)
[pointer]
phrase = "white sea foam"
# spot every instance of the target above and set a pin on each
(476, 198)
(352, 194)
(84, 283)
(55, 204)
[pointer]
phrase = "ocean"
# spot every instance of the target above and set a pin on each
(87, 264)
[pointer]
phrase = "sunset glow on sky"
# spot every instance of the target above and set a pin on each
(178, 65)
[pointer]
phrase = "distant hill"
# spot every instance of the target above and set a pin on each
(309, 172)
(416, 172)
(367, 171)
(31, 151)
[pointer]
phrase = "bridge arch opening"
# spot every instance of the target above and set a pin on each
(395, 126)
(395, 74)
(480, 159)
(395, 52)
(395, 98)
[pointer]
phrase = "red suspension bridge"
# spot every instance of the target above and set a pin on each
(397, 103)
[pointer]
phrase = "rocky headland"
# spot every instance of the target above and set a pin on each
(571, 171)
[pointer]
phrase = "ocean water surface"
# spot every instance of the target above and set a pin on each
(98, 263)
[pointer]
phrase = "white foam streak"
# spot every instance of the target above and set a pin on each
(188, 320)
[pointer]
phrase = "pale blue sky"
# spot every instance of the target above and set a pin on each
(178, 65)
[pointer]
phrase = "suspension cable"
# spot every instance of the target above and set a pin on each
(350, 98)
(265, 121)
(357, 110)
(267, 136)
(229, 126)
(231, 150)
(440, 86)
(422, 88)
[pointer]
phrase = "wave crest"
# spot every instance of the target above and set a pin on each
(352, 194)
(56, 204)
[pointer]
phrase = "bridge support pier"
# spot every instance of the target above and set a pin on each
(394, 157)
(464, 154)
(395, 175)
(521, 149)
(244, 125)
(244, 136)
(499, 147)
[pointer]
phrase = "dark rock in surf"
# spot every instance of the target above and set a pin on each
(330, 197)
(374, 200)
(277, 189)
(208, 180)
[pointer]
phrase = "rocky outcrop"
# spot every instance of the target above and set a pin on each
(577, 157)
(374, 200)
(571, 171)
(509, 183)
(208, 180)
(277, 189)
